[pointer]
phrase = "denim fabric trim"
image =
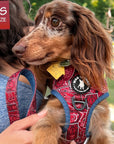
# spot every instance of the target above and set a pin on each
(24, 93)
(66, 108)
(104, 96)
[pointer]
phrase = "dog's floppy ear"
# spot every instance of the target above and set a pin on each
(39, 15)
(91, 51)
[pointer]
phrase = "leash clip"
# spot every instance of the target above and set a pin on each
(87, 139)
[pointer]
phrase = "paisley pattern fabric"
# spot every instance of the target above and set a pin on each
(79, 101)
(24, 97)
(11, 95)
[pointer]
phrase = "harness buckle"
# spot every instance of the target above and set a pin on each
(74, 102)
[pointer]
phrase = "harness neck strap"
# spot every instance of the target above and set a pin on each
(11, 94)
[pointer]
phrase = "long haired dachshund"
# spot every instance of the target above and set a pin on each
(69, 34)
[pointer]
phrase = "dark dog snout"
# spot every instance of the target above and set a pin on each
(19, 50)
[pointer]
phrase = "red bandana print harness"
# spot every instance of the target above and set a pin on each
(79, 101)
(11, 95)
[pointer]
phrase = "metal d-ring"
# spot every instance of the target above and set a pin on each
(74, 102)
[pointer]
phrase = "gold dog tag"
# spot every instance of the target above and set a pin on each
(56, 70)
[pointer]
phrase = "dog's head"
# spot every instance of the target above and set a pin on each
(65, 30)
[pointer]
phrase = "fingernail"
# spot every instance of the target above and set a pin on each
(42, 113)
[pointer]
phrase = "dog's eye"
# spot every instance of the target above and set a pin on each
(55, 22)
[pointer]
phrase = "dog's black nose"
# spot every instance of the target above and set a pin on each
(19, 50)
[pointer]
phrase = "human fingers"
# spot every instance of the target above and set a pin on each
(11, 136)
(28, 121)
(73, 142)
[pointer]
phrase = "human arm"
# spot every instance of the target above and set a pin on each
(18, 133)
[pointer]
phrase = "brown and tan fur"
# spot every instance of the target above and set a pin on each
(80, 38)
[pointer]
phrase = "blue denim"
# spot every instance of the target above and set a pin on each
(24, 93)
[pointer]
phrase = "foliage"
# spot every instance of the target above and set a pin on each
(35, 5)
(99, 7)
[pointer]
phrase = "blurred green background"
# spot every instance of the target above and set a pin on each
(111, 99)
(99, 7)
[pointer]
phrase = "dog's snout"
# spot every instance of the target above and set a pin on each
(19, 50)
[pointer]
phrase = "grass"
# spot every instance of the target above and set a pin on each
(111, 97)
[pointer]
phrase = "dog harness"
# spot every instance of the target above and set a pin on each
(11, 95)
(79, 100)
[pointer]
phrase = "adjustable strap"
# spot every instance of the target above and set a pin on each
(66, 109)
(11, 94)
(101, 98)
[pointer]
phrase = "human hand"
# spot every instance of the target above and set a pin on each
(73, 142)
(17, 132)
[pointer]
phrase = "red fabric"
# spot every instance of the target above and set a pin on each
(78, 119)
(11, 99)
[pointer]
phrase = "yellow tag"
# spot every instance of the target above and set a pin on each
(56, 70)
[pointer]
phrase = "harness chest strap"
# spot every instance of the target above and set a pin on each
(79, 101)
(11, 94)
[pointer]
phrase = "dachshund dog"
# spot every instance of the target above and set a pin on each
(70, 35)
